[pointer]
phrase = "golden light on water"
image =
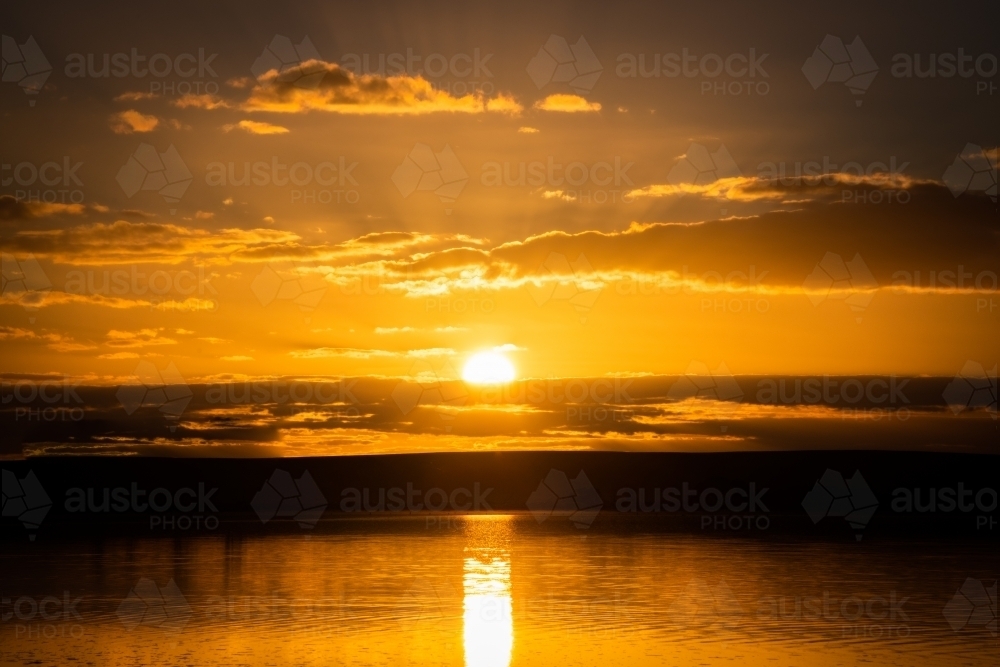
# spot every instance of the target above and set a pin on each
(487, 620)
(488, 368)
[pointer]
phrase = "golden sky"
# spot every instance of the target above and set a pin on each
(273, 206)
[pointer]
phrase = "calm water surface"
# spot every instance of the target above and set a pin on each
(489, 591)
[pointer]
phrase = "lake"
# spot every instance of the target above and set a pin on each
(496, 590)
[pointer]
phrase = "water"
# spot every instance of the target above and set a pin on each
(490, 591)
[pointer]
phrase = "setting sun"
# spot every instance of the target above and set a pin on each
(499, 334)
(488, 368)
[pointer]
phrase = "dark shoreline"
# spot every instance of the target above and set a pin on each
(398, 485)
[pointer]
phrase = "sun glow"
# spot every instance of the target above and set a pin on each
(488, 368)
(487, 618)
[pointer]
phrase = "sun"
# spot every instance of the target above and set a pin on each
(488, 368)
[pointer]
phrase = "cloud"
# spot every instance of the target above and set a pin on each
(504, 104)
(140, 338)
(12, 208)
(793, 189)
(58, 298)
(237, 357)
(124, 242)
(54, 341)
(135, 96)
(119, 355)
(201, 101)
(717, 255)
(240, 82)
(130, 121)
(256, 127)
(338, 90)
(528, 414)
(566, 103)
(70, 346)
(12, 333)
(528, 130)
(784, 245)
(356, 353)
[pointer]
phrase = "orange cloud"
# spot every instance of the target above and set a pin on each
(202, 101)
(566, 103)
(124, 242)
(130, 121)
(141, 338)
(135, 96)
(338, 90)
(256, 127)
(355, 353)
(504, 104)
(12, 208)
(792, 190)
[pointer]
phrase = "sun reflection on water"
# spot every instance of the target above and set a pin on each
(487, 619)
